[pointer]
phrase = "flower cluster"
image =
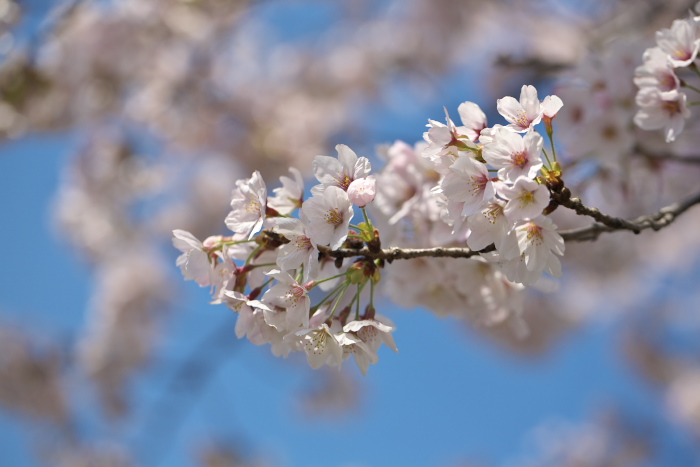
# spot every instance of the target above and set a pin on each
(494, 183)
(268, 278)
(662, 103)
(486, 191)
(473, 186)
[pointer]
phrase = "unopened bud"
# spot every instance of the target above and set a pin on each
(362, 191)
(356, 273)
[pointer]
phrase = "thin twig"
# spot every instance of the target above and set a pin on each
(615, 223)
(656, 221)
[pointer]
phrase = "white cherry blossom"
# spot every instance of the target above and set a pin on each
(523, 114)
(539, 243)
(194, 262)
(320, 345)
(515, 156)
(665, 110)
(248, 204)
(353, 345)
(551, 105)
(290, 295)
(657, 72)
(329, 214)
(340, 172)
(473, 120)
(679, 42)
(490, 225)
(250, 322)
(290, 195)
(526, 199)
(300, 250)
(467, 182)
(374, 331)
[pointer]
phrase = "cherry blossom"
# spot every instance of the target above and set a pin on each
(473, 120)
(679, 42)
(290, 195)
(194, 260)
(665, 110)
(522, 114)
(551, 105)
(657, 72)
(320, 345)
(248, 206)
(526, 199)
(362, 191)
(467, 182)
(340, 172)
(329, 215)
(515, 156)
(291, 296)
(300, 250)
(539, 244)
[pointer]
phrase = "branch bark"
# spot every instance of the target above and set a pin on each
(655, 221)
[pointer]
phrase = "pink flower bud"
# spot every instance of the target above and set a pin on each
(362, 191)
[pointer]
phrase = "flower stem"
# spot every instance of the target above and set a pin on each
(686, 85)
(253, 266)
(367, 221)
(329, 278)
(549, 163)
(330, 295)
(252, 255)
(337, 302)
(554, 151)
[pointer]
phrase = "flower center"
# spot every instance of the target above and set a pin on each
(526, 198)
(253, 206)
(302, 243)
(478, 184)
(522, 120)
(494, 212)
(672, 107)
(519, 159)
(534, 234)
(681, 54)
(333, 217)
(343, 180)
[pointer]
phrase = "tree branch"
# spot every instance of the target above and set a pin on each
(390, 254)
(563, 197)
(656, 221)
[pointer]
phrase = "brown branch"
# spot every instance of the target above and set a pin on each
(615, 223)
(656, 221)
(393, 253)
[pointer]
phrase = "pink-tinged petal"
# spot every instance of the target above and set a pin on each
(551, 105)
(347, 158)
(509, 108)
(326, 168)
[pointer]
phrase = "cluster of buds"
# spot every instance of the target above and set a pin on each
(662, 103)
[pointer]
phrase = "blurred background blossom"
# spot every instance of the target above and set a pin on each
(123, 120)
